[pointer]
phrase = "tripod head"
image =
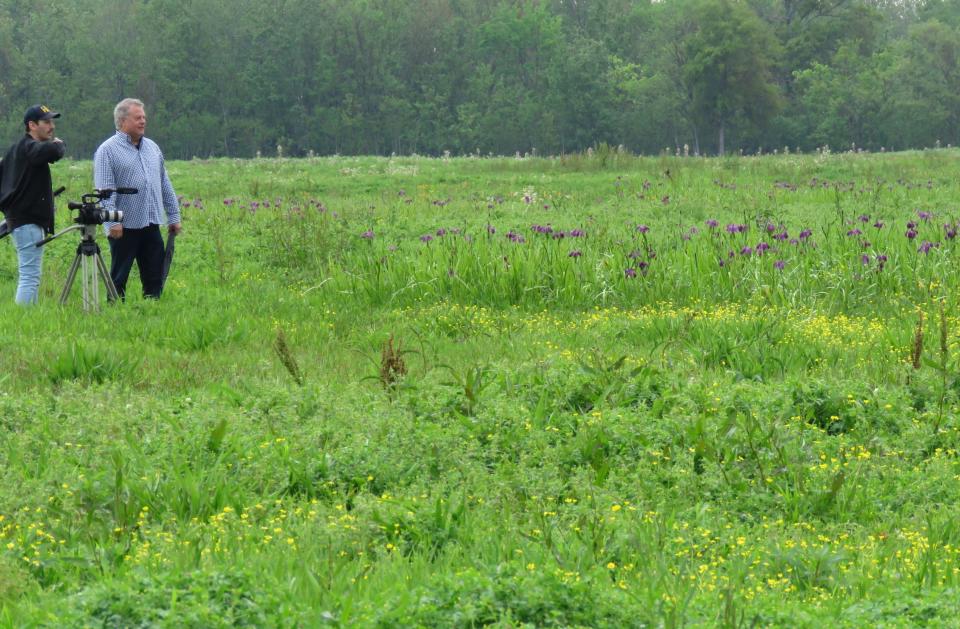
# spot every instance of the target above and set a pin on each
(90, 212)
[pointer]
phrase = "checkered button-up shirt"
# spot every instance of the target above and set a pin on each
(118, 163)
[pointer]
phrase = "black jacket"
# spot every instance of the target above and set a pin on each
(26, 190)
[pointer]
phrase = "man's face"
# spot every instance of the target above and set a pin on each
(135, 123)
(42, 130)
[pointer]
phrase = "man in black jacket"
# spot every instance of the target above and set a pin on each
(26, 194)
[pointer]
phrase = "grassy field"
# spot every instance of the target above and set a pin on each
(599, 391)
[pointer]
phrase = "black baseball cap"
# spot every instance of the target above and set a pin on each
(38, 113)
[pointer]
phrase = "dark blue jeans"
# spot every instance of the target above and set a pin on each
(144, 245)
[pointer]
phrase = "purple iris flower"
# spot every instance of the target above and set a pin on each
(805, 234)
(712, 223)
(779, 264)
(854, 232)
(630, 272)
(878, 224)
(911, 234)
(643, 228)
(576, 253)
(426, 238)
(367, 234)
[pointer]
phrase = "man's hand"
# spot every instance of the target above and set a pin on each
(116, 231)
(175, 229)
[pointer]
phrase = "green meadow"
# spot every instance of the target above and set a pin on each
(591, 391)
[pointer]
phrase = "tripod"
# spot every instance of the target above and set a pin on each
(90, 263)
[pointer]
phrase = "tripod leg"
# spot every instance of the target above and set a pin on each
(85, 284)
(94, 286)
(112, 294)
(71, 274)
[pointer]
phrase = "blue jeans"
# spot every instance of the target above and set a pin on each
(30, 256)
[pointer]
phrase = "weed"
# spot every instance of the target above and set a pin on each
(392, 366)
(287, 359)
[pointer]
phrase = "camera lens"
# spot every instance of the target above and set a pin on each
(111, 216)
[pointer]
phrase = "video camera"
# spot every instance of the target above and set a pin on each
(89, 210)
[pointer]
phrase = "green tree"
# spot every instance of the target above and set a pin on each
(729, 61)
(925, 101)
(518, 45)
(845, 103)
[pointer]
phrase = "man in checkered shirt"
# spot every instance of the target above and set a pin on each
(130, 160)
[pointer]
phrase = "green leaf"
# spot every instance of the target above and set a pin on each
(215, 441)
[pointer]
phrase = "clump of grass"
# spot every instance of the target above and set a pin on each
(89, 364)
(14, 580)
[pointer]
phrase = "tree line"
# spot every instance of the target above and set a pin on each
(300, 77)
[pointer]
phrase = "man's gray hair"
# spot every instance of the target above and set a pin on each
(123, 109)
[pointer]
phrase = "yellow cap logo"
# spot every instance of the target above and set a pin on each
(44, 109)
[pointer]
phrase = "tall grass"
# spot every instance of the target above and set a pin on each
(386, 392)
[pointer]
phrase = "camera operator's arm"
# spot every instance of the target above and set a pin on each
(45, 152)
(103, 179)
